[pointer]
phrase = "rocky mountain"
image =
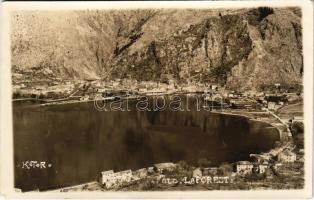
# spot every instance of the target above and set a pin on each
(241, 49)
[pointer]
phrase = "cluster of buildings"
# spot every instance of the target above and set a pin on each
(261, 166)
(111, 179)
(246, 167)
(252, 100)
(143, 87)
(87, 89)
(284, 157)
(206, 171)
(43, 90)
(239, 168)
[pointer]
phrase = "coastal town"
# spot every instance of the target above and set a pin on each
(279, 170)
(282, 167)
(279, 105)
(72, 91)
(238, 72)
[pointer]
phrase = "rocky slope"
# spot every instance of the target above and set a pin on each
(241, 49)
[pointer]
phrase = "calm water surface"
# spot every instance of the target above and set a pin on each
(80, 141)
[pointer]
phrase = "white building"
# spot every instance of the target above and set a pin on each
(123, 176)
(244, 167)
(262, 167)
(210, 171)
(150, 170)
(105, 176)
(277, 166)
(111, 179)
(139, 174)
(197, 172)
(271, 105)
(165, 166)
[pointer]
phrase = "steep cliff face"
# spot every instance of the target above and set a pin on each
(241, 49)
(276, 54)
(202, 52)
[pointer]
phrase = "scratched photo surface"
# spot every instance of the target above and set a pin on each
(157, 99)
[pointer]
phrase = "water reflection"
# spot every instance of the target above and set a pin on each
(80, 142)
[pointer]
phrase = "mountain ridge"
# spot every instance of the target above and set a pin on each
(240, 50)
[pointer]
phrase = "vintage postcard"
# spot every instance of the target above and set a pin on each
(157, 99)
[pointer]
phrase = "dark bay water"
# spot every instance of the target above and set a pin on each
(80, 141)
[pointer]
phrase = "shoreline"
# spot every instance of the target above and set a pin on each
(231, 112)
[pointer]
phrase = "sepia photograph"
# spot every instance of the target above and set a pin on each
(130, 97)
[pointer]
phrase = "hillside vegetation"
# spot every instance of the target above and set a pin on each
(241, 49)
